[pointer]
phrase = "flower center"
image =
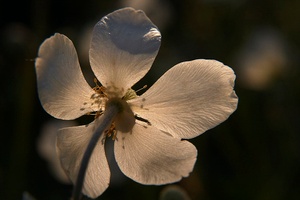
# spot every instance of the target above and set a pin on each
(125, 119)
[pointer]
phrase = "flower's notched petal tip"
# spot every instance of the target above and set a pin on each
(146, 34)
(199, 98)
(62, 89)
(123, 47)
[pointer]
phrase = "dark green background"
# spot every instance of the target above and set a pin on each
(255, 155)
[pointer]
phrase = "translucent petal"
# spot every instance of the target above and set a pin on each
(149, 156)
(189, 99)
(123, 48)
(63, 91)
(71, 145)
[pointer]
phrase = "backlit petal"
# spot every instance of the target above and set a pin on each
(123, 48)
(71, 145)
(189, 99)
(63, 91)
(149, 156)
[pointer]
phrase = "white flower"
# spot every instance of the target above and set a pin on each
(187, 100)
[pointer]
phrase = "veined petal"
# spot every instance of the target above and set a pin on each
(189, 99)
(71, 145)
(63, 91)
(149, 156)
(123, 48)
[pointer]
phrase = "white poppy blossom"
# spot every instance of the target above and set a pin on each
(148, 133)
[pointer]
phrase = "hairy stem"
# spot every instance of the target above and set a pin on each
(110, 113)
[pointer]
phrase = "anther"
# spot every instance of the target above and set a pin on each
(144, 87)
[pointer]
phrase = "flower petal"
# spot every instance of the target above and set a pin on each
(63, 91)
(149, 156)
(189, 99)
(123, 48)
(71, 145)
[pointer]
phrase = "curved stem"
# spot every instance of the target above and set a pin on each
(111, 111)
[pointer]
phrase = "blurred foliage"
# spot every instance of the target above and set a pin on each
(255, 154)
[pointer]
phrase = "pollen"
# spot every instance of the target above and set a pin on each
(99, 89)
(111, 132)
